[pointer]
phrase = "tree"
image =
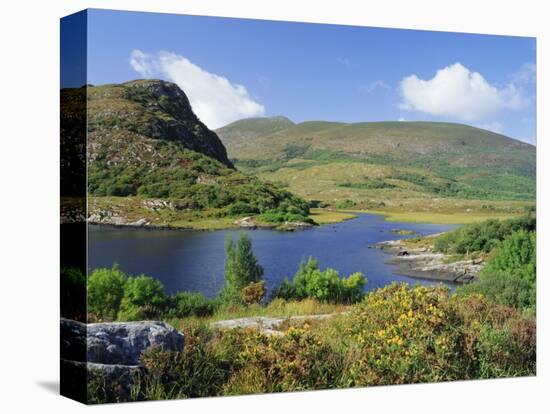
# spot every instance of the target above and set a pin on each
(241, 267)
(105, 291)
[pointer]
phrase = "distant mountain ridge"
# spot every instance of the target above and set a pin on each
(446, 159)
(460, 144)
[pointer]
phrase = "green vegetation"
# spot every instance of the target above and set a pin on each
(395, 335)
(510, 275)
(324, 286)
(481, 237)
(113, 295)
(241, 269)
(445, 172)
(147, 143)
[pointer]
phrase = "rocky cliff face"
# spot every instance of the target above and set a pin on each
(150, 109)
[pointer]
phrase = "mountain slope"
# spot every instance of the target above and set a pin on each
(145, 144)
(458, 144)
(387, 161)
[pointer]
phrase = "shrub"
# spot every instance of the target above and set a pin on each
(510, 275)
(325, 286)
(143, 299)
(481, 237)
(73, 294)
(105, 291)
(253, 293)
(345, 204)
(240, 209)
(185, 304)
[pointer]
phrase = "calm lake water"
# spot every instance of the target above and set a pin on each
(194, 260)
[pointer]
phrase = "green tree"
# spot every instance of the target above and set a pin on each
(143, 298)
(241, 267)
(105, 292)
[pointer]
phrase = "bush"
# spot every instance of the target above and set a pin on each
(253, 293)
(325, 286)
(105, 291)
(345, 204)
(510, 275)
(395, 335)
(143, 299)
(240, 209)
(481, 237)
(73, 294)
(185, 304)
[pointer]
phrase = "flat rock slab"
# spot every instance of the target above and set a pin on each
(264, 324)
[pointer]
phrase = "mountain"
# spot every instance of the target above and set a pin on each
(437, 159)
(151, 109)
(145, 144)
(239, 133)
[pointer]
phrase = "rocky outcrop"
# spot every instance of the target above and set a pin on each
(424, 264)
(124, 342)
(246, 222)
(149, 108)
(111, 218)
(112, 351)
(267, 325)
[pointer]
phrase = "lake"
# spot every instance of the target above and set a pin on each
(194, 260)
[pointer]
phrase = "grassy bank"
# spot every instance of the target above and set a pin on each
(441, 217)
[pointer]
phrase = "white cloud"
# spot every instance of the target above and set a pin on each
(401, 119)
(214, 99)
(457, 92)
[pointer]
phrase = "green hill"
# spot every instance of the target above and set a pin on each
(146, 145)
(410, 166)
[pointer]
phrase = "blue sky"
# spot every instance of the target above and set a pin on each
(236, 68)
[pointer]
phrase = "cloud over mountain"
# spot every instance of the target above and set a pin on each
(216, 100)
(457, 92)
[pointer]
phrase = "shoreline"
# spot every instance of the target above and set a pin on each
(423, 263)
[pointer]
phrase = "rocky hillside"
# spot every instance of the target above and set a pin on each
(150, 109)
(145, 144)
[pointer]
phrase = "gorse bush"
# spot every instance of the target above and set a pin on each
(311, 282)
(253, 293)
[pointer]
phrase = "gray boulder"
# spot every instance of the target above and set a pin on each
(123, 343)
(116, 343)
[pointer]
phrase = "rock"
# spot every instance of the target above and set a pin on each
(116, 343)
(110, 352)
(245, 222)
(403, 253)
(140, 223)
(124, 342)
